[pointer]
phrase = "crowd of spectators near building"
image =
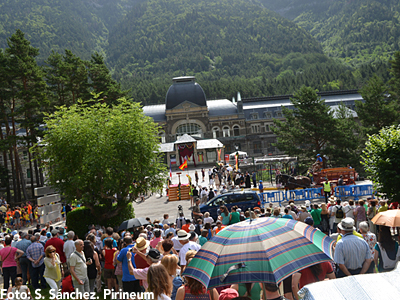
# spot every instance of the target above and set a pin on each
(152, 257)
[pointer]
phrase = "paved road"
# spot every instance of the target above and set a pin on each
(156, 206)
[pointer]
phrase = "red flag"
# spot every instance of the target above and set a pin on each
(183, 166)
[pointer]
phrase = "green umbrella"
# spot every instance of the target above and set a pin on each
(262, 250)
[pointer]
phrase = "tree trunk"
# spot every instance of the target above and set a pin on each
(31, 170)
(5, 163)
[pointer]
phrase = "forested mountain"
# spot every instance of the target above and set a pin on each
(229, 45)
(357, 31)
(81, 26)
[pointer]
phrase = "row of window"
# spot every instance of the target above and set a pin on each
(266, 115)
(226, 131)
(194, 129)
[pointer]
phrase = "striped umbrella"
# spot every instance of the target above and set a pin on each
(262, 250)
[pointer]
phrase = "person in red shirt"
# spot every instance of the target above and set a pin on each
(58, 244)
(311, 274)
(186, 226)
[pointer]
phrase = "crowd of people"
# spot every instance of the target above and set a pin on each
(152, 258)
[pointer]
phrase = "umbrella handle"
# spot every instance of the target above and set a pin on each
(234, 267)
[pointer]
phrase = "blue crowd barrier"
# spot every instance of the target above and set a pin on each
(355, 191)
(273, 197)
(295, 195)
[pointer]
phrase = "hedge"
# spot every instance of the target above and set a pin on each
(80, 218)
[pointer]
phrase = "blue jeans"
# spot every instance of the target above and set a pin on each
(37, 273)
(24, 263)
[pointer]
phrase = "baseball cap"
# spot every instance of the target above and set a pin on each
(154, 255)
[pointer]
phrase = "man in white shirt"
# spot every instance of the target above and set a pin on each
(183, 238)
(69, 245)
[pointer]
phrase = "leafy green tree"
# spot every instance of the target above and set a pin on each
(381, 159)
(308, 127)
(378, 109)
(101, 155)
(347, 138)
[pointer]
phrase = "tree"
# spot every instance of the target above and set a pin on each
(308, 127)
(378, 109)
(100, 155)
(101, 80)
(381, 159)
(22, 96)
(395, 77)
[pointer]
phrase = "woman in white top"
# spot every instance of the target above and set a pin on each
(160, 283)
(207, 218)
(23, 291)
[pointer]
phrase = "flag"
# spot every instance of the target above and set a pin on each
(170, 172)
(183, 166)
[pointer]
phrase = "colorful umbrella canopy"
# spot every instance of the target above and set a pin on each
(388, 218)
(261, 250)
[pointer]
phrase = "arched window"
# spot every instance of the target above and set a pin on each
(236, 130)
(216, 132)
(226, 131)
(192, 129)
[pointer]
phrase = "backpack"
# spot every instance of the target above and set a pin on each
(17, 215)
(339, 212)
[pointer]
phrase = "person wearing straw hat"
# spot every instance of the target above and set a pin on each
(183, 237)
(352, 253)
(303, 214)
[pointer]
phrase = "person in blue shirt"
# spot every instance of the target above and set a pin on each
(261, 190)
(129, 283)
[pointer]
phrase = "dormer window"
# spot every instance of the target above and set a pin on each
(267, 115)
(278, 114)
(254, 116)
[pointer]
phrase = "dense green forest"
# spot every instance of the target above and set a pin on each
(356, 32)
(229, 45)
(81, 26)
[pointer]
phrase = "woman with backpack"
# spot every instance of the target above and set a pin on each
(387, 252)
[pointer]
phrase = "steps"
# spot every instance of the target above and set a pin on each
(173, 192)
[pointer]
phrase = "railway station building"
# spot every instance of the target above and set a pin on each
(205, 130)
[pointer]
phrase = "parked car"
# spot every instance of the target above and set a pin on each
(245, 200)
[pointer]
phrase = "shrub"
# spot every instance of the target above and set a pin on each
(80, 218)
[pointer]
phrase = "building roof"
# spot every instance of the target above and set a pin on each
(167, 147)
(221, 107)
(255, 108)
(157, 112)
(185, 139)
(350, 112)
(209, 144)
(184, 89)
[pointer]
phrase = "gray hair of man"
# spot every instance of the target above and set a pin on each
(71, 235)
(364, 227)
(77, 242)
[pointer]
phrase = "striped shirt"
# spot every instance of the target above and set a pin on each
(351, 251)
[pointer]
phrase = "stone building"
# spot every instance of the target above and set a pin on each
(205, 129)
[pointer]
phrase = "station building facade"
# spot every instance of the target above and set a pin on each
(204, 130)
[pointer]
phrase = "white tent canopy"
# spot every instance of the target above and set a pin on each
(369, 286)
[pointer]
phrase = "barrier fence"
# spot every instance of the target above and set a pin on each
(354, 191)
